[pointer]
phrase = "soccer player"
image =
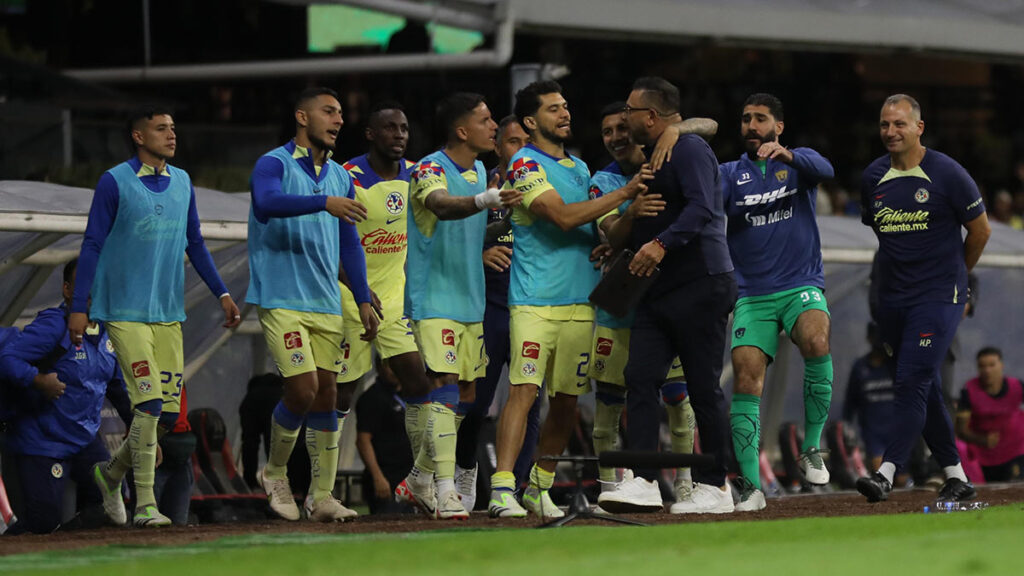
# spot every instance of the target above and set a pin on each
(381, 179)
(769, 196)
(497, 255)
(445, 290)
(917, 200)
(143, 216)
(686, 308)
(551, 279)
(302, 218)
(59, 391)
(611, 335)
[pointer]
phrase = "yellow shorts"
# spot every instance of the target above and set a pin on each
(300, 342)
(451, 347)
(558, 349)
(611, 353)
(393, 339)
(151, 359)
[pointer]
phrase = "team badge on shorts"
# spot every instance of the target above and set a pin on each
(145, 386)
(449, 357)
(298, 359)
(531, 350)
(344, 369)
(529, 369)
(394, 203)
(292, 340)
(110, 347)
(921, 195)
(140, 369)
(57, 471)
(447, 337)
(599, 365)
(604, 346)
(739, 332)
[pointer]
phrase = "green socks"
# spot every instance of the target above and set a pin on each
(745, 420)
(282, 441)
(681, 422)
(541, 478)
(606, 433)
(817, 398)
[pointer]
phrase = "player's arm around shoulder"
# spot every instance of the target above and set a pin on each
(541, 199)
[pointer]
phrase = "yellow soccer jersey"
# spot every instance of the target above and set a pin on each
(383, 234)
(431, 177)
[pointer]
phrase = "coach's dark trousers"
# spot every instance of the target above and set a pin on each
(688, 321)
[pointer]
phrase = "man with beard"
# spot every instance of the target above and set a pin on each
(769, 196)
(445, 290)
(611, 335)
(381, 180)
(551, 319)
(917, 201)
(302, 218)
(686, 309)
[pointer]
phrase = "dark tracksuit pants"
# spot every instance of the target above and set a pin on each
(688, 321)
(919, 336)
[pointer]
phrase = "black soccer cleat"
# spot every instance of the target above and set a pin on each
(957, 490)
(875, 487)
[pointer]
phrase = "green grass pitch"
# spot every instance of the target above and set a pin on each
(972, 543)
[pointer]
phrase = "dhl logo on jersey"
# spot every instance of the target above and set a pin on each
(380, 241)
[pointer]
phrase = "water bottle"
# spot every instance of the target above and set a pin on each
(947, 506)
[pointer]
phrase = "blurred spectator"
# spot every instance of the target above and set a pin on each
(382, 442)
(990, 419)
(262, 395)
(172, 484)
(1002, 210)
(59, 397)
(870, 397)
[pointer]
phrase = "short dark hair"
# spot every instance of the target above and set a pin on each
(503, 124)
(381, 106)
(453, 108)
(769, 101)
(312, 93)
(990, 351)
(613, 108)
(144, 112)
(660, 93)
(528, 99)
(69, 269)
(915, 106)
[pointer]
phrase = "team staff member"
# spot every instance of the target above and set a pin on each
(445, 291)
(916, 200)
(302, 218)
(769, 196)
(54, 432)
(611, 335)
(143, 216)
(497, 256)
(551, 318)
(686, 309)
(989, 416)
(381, 178)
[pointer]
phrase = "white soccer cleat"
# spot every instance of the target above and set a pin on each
(465, 485)
(539, 502)
(419, 493)
(113, 503)
(750, 498)
(449, 507)
(812, 466)
(328, 509)
(633, 494)
(705, 499)
(279, 495)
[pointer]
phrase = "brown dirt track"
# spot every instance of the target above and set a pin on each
(797, 506)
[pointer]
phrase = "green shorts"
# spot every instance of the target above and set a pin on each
(758, 320)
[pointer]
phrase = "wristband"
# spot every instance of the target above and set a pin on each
(660, 243)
